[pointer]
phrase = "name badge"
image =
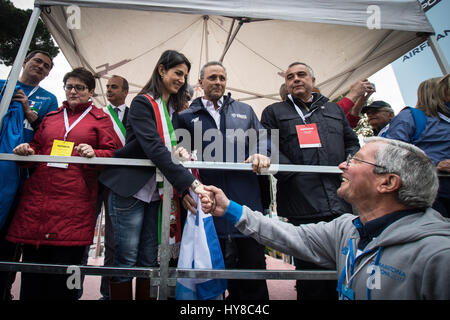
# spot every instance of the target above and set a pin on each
(308, 136)
(61, 148)
(347, 293)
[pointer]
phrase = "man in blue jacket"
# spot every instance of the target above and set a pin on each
(36, 103)
(221, 129)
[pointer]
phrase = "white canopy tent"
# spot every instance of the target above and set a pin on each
(256, 40)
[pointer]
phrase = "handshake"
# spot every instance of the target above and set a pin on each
(213, 200)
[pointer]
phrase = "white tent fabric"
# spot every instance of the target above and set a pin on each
(127, 37)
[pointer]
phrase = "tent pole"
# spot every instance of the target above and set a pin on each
(205, 19)
(439, 55)
(18, 62)
(228, 45)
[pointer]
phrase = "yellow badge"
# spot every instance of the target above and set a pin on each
(61, 148)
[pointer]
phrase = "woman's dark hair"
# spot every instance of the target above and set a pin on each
(168, 60)
(84, 75)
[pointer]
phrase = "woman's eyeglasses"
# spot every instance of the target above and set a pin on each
(77, 87)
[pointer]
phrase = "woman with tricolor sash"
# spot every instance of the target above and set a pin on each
(135, 199)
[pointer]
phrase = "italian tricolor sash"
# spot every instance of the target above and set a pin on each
(119, 128)
(167, 134)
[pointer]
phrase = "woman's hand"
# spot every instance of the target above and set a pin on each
(189, 203)
(23, 149)
(85, 150)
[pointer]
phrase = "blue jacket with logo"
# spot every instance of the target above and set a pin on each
(225, 144)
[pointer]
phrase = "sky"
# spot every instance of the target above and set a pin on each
(387, 88)
(419, 63)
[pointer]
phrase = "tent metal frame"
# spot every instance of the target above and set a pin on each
(164, 274)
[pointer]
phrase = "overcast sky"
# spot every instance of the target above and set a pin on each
(384, 80)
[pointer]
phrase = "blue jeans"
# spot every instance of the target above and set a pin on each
(135, 225)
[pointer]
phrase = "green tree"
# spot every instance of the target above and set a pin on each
(13, 22)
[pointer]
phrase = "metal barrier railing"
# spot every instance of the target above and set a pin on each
(164, 276)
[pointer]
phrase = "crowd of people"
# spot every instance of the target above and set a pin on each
(383, 224)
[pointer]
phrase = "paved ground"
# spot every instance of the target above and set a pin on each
(278, 289)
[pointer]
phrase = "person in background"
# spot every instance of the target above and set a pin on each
(188, 94)
(312, 131)
(134, 200)
(116, 92)
(428, 127)
(354, 100)
(397, 248)
(55, 217)
(379, 114)
(36, 103)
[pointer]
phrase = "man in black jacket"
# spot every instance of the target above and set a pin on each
(312, 131)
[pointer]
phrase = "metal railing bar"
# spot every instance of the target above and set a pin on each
(173, 273)
(188, 164)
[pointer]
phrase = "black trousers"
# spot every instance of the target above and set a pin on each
(10, 252)
(244, 253)
(42, 286)
(314, 289)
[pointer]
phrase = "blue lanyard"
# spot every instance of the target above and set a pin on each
(376, 263)
(350, 262)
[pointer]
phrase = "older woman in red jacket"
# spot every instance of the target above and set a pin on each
(55, 218)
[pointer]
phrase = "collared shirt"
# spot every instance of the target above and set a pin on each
(373, 228)
(120, 110)
(209, 105)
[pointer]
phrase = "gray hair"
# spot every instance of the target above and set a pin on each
(419, 181)
(211, 63)
(311, 72)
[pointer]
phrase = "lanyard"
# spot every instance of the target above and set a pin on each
(66, 120)
(349, 279)
(33, 91)
(348, 271)
(299, 111)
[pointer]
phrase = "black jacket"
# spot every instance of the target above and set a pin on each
(143, 142)
(305, 197)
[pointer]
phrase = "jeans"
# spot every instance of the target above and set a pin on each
(135, 227)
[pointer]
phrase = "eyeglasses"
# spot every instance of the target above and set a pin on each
(77, 87)
(350, 158)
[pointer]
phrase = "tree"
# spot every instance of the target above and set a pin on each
(13, 22)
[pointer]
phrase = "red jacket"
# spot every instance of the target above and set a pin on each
(58, 206)
(346, 104)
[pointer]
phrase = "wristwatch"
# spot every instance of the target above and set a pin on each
(195, 184)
